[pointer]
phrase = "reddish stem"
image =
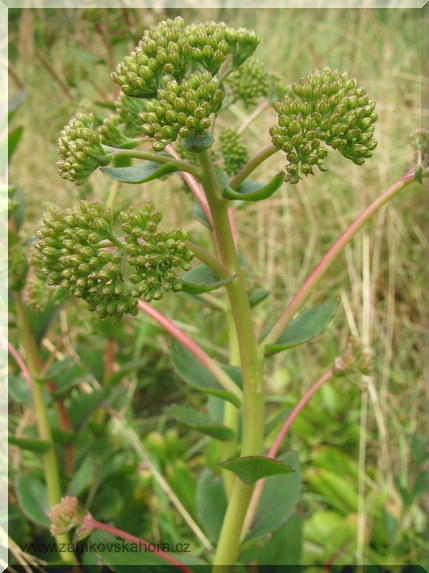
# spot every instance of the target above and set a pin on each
(301, 296)
(290, 419)
(59, 405)
(18, 360)
(193, 348)
(194, 186)
(109, 359)
(128, 537)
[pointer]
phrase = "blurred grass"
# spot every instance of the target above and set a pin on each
(379, 275)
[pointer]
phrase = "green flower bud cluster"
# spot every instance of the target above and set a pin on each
(127, 109)
(332, 110)
(277, 87)
(81, 254)
(234, 152)
(355, 359)
(122, 129)
(18, 265)
(171, 46)
(181, 109)
(112, 134)
(35, 294)
(74, 72)
(80, 149)
(249, 82)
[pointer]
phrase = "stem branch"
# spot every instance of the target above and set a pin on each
(301, 296)
(221, 376)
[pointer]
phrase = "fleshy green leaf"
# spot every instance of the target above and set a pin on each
(129, 366)
(107, 504)
(197, 143)
(82, 407)
(418, 174)
(19, 390)
(27, 444)
(211, 503)
(57, 368)
(258, 296)
(254, 191)
(252, 468)
(82, 478)
(203, 279)
(201, 422)
(33, 499)
(305, 327)
(200, 216)
(141, 173)
(194, 373)
(285, 545)
(279, 499)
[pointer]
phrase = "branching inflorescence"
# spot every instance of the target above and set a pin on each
(81, 253)
(332, 110)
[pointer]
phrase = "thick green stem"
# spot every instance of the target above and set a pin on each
(209, 260)
(49, 457)
(252, 165)
(251, 362)
(230, 414)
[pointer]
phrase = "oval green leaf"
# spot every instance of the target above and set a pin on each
(305, 327)
(257, 296)
(33, 499)
(279, 499)
(197, 143)
(141, 173)
(203, 279)
(211, 503)
(252, 190)
(252, 468)
(285, 545)
(33, 445)
(194, 373)
(200, 422)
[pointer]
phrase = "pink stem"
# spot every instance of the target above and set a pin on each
(193, 348)
(232, 225)
(275, 447)
(193, 186)
(128, 537)
(290, 419)
(301, 296)
(18, 360)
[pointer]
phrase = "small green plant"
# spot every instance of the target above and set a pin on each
(175, 84)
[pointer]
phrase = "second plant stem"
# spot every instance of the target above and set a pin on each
(251, 360)
(49, 457)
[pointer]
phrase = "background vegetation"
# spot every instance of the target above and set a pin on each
(368, 432)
